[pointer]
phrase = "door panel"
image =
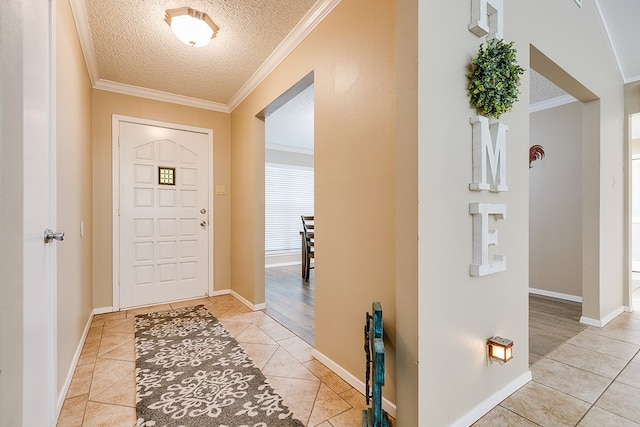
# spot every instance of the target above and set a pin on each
(164, 192)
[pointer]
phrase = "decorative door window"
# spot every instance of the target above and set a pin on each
(166, 176)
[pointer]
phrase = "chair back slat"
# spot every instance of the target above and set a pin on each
(308, 244)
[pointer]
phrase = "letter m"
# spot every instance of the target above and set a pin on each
(489, 155)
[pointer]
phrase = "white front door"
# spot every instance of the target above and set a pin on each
(164, 214)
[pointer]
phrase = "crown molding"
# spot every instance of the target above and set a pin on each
(159, 95)
(288, 148)
(610, 40)
(308, 22)
(632, 79)
(79, 12)
(551, 103)
(311, 19)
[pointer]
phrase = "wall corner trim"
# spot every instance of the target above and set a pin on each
(488, 404)
(354, 382)
(253, 307)
(602, 322)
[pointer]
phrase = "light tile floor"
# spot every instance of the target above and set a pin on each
(592, 380)
(102, 391)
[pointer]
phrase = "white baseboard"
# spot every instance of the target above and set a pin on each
(388, 406)
(558, 295)
(628, 309)
(102, 310)
(254, 307)
(606, 319)
(72, 368)
(488, 404)
(221, 292)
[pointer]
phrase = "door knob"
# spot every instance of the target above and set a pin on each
(203, 223)
(49, 235)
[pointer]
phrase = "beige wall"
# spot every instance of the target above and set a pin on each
(352, 56)
(74, 192)
(105, 104)
(454, 308)
(555, 201)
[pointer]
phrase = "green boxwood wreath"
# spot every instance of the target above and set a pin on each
(494, 78)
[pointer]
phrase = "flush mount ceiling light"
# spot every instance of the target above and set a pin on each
(192, 27)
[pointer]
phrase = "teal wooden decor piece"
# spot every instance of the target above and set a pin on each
(374, 350)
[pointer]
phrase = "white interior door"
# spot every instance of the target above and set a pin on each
(164, 214)
(28, 318)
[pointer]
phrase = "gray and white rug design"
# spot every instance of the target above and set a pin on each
(190, 371)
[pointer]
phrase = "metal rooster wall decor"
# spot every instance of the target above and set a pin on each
(536, 152)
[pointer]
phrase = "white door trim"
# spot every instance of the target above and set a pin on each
(115, 161)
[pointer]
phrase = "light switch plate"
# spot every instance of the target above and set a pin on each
(220, 190)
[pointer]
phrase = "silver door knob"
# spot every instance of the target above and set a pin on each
(203, 223)
(49, 235)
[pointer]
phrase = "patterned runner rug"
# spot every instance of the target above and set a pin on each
(190, 371)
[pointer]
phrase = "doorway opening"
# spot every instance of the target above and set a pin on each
(289, 196)
(634, 120)
(563, 138)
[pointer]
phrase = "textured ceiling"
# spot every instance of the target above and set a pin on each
(541, 89)
(135, 46)
(130, 49)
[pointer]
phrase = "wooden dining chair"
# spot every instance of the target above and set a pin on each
(308, 247)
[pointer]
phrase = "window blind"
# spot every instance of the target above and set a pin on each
(288, 194)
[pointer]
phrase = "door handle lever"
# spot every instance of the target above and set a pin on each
(49, 235)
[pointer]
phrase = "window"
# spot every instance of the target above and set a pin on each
(288, 194)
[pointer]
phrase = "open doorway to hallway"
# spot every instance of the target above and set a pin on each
(555, 217)
(634, 120)
(289, 195)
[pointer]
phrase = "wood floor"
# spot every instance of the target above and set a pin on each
(551, 322)
(290, 300)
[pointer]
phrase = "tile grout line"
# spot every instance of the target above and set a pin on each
(129, 313)
(520, 415)
(315, 400)
(607, 388)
